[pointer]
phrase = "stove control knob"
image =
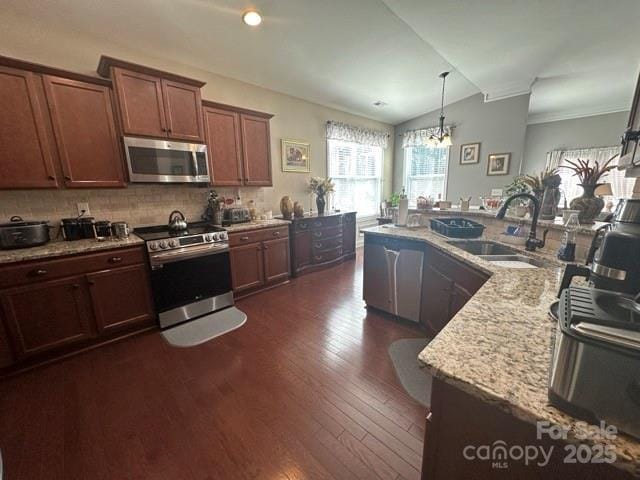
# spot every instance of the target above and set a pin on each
(223, 236)
(153, 246)
(163, 244)
(208, 237)
(216, 236)
(174, 243)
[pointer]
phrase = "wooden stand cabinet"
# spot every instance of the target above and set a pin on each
(238, 145)
(321, 241)
(53, 307)
(259, 259)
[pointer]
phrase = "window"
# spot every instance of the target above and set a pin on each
(356, 170)
(621, 186)
(425, 170)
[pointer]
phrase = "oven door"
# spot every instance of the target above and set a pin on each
(187, 285)
(161, 161)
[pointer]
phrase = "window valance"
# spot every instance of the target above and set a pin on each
(351, 133)
(419, 137)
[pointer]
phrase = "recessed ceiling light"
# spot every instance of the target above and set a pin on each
(252, 18)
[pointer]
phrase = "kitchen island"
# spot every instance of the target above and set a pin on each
(490, 365)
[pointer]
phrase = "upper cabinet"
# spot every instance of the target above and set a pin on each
(85, 133)
(154, 103)
(238, 145)
(26, 150)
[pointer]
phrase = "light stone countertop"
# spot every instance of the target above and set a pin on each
(59, 248)
(255, 225)
(498, 347)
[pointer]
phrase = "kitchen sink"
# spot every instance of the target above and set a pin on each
(483, 247)
(498, 254)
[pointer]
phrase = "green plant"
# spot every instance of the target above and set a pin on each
(587, 174)
(395, 199)
(538, 182)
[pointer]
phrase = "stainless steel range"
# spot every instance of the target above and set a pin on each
(190, 271)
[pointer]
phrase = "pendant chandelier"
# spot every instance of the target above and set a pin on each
(443, 138)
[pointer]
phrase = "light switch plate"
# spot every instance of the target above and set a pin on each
(496, 192)
(83, 206)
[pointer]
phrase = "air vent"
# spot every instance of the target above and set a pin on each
(380, 104)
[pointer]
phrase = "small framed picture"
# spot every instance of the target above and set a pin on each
(296, 156)
(469, 153)
(498, 164)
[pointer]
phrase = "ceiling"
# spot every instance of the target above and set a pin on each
(574, 55)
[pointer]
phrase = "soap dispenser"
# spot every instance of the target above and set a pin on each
(403, 209)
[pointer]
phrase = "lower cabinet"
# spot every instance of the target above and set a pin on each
(259, 258)
(89, 299)
(447, 285)
(120, 298)
(48, 315)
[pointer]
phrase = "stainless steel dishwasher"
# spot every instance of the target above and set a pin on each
(393, 275)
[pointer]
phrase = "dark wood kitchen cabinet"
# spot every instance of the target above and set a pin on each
(47, 315)
(447, 285)
(85, 133)
(120, 297)
(321, 241)
(154, 103)
(50, 308)
(259, 259)
(26, 143)
(238, 145)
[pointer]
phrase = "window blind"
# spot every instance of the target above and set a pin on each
(356, 170)
(426, 172)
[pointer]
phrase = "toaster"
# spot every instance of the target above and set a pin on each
(595, 366)
(236, 215)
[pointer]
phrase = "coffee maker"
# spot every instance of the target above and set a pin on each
(613, 261)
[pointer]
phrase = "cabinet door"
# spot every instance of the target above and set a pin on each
(26, 154)
(246, 267)
(183, 108)
(224, 149)
(120, 298)
(48, 315)
(256, 150)
(302, 250)
(349, 234)
(276, 260)
(437, 288)
(140, 103)
(6, 353)
(84, 127)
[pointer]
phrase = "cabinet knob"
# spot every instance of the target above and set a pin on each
(115, 259)
(76, 285)
(266, 247)
(318, 257)
(163, 129)
(67, 177)
(318, 234)
(39, 272)
(244, 239)
(92, 282)
(275, 234)
(51, 177)
(318, 245)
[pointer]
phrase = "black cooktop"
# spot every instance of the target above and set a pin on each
(159, 232)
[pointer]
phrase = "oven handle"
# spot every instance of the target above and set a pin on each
(158, 259)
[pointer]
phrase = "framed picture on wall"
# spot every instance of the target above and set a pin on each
(498, 164)
(469, 153)
(296, 156)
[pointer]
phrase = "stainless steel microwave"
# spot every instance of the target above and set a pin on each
(166, 161)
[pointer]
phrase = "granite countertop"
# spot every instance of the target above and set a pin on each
(498, 347)
(59, 248)
(255, 225)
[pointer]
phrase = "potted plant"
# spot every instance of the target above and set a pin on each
(537, 184)
(320, 187)
(518, 185)
(588, 204)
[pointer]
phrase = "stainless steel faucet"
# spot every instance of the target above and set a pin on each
(532, 241)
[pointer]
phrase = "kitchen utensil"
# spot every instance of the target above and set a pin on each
(103, 228)
(464, 204)
(120, 229)
(457, 227)
(87, 227)
(70, 228)
(236, 215)
(177, 221)
(22, 234)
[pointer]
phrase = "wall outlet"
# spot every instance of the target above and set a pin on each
(83, 206)
(495, 192)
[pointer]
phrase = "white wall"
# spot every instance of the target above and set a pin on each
(293, 118)
(594, 131)
(500, 128)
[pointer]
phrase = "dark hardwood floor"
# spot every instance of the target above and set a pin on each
(304, 390)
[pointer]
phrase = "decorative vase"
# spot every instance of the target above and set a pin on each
(286, 207)
(320, 203)
(298, 211)
(588, 204)
(549, 205)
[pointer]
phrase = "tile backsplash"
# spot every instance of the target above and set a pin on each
(139, 205)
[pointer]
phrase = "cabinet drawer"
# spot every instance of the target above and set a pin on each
(349, 218)
(38, 271)
(253, 236)
(327, 256)
(326, 244)
(302, 225)
(320, 222)
(327, 233)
